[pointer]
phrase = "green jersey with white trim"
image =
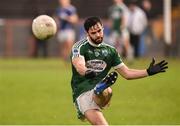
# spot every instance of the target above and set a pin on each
(116, 14)
(98, 58)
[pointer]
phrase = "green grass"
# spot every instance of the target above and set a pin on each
(38, 92)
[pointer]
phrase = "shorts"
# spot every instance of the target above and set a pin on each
(114, 38)
(85, 102)
(66, 35)
(120, 37)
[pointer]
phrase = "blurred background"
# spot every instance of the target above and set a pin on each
(35, 77)
(16, 18)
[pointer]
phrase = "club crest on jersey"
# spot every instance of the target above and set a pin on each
(105, 52)
(97, 52)
(90, 52)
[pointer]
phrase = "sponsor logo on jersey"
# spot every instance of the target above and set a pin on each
(96, 65)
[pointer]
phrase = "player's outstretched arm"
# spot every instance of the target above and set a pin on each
(157, 68)
(153, 68)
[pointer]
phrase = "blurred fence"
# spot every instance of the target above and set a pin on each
(16, 39)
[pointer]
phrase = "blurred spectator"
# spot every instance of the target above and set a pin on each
(41, 48)
(38, 48)
(147, 36)
(118, 14)
(67, 17)
(147, 6)
(136, 25)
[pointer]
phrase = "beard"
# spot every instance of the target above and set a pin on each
(97, 40)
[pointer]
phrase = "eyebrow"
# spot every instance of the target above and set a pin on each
(97, 31)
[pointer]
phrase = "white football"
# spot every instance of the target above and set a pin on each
(44, 27)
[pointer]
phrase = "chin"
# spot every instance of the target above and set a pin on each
(99, 41)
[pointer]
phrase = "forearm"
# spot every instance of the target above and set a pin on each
(136, 74)
(81, 69)
(79, 64)
(73, 19)
(130, 74)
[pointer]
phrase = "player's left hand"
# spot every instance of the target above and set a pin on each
(157, 68)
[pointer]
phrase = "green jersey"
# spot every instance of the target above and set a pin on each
(98, 58)
(116, 14)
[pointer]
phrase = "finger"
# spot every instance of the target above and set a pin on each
(153, 61)
(164, 64)
(163, 71)
(161, 62)
(163, 68)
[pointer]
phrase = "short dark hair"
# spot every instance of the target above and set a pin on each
(91, 21)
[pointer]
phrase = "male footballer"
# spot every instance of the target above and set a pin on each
(92, 59)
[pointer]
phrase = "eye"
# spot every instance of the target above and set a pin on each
(93, 33)
(99, 30)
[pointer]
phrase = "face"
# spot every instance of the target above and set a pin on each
(64, 3)
(96, 34)
(118, 1)
(131, 7)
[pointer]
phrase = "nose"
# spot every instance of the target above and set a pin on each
(97, 34)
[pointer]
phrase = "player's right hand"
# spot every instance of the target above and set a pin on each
(157, 68)
(90, 74)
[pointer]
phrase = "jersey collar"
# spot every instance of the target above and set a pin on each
(93, 44)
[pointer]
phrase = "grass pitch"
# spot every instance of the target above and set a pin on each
(38, 91)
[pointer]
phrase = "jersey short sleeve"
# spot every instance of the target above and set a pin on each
(76, 52)
(73, 10)
(78, 49)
